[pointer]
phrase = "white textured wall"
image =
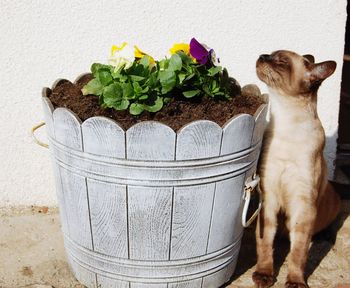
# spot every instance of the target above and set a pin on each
(45, 40)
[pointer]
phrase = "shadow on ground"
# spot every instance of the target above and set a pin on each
(321, 245)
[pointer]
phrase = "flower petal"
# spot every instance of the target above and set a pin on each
(117, 48)
(180, 47)
(198, 51)
(140, 54)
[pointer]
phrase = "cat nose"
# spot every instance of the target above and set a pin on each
(264, 57)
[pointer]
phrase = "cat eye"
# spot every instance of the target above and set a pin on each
(282, 62)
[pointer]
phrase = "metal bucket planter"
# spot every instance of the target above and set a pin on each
(150, 207)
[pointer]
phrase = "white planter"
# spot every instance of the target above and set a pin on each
(149, 207)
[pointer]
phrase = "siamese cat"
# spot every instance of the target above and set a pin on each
(292, 169)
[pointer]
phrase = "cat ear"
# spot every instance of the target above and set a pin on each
(323, 70)
(310, 58)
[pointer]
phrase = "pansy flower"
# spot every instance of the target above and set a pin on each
(180, 47)
(121, 56)
(202, 53)
(139, 54)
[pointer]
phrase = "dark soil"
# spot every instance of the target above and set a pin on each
(175, 114)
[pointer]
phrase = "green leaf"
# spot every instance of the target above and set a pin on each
(191, 93)
(214, 70)
(167, 100)
(104, 76)
(158, 104)
(145, 90)
(175, 62)
(152, 80)
(167, 80)
(143, 97)
(97, 66)
(182, 77)
(216, 90)
(163, 64)
(190, 76)
(136, 78)
(207, 91)
(128, 91)
(94, 87)
(137, 87)
(120, 77)
(145, 61)
(136, 109)
(185, 58)
(121, 105)
(112, 94)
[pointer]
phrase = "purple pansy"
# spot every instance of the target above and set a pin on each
(199, 52)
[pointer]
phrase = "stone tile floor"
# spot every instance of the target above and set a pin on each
(32, 253)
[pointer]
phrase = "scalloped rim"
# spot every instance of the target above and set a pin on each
(46, 90)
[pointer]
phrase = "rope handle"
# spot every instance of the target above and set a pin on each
(36, 127)
(248, 189)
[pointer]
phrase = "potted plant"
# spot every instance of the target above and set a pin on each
(151, 193)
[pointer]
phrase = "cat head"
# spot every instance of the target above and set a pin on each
(291, 74)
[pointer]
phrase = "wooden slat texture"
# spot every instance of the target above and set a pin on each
(191, 220)
(108, 218)
(232, 266)
(149, 222)
(149, 208)
(84, 276)
(217, 279)
(105, 282)
(67, 129)
(260, 123)
(197, 283)
(103, 136)
(48, 110)
(150, 141)
(237, 134)
(199, 139)
(193, 204)
(228, 199)
(75, 197)
(108, 208)
(148, 285)
(61, 199)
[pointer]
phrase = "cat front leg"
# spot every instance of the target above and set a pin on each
(302, 215)
(265, 233)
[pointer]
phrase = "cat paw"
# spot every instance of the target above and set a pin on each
(263, 280)
(290, 284)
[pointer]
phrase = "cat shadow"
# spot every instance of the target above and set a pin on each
(322, 243)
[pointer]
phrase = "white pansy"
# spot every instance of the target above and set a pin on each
(122, 56)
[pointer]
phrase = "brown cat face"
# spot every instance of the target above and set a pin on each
(292, 74)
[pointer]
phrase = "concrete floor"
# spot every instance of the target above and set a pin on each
(32, 253)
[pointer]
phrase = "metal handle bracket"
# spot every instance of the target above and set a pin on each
(248, 189)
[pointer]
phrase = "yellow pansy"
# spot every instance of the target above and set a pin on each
(116, 48)
(180, 47)
(121, 56)
(139, 54)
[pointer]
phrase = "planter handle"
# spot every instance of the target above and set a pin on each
(248, 189)
(32, 131)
